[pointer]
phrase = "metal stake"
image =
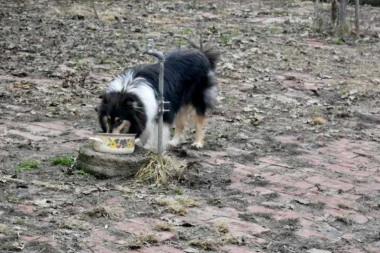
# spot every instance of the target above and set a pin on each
(161, 102)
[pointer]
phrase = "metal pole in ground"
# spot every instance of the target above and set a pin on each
(161, 102)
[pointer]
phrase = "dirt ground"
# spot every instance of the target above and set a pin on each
(292, 155)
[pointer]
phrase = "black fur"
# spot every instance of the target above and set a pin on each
(186, 79)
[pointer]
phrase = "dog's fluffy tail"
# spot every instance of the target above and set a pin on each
(212, 55)
(210, 52)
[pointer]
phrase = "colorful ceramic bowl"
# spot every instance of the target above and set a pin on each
(114, 143)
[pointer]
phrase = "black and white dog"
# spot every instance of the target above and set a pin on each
(130, 104)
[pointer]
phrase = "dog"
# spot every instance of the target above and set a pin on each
(130, 103)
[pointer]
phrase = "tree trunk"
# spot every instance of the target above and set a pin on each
(357, 18)
(334, 12)
(342, 13)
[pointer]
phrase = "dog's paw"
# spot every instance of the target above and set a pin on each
(173, 143)
(197, 145)
(147, 146)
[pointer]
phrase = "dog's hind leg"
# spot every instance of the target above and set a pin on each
(199, 123)
(180, 121)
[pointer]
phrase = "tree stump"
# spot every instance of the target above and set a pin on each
(104, 165)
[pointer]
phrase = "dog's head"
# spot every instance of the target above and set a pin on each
(121, 112)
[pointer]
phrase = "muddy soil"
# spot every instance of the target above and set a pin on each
(291, 158)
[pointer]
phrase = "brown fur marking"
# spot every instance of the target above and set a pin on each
(123, 127)
(199, 121)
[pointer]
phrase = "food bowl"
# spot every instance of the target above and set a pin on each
(114, 143)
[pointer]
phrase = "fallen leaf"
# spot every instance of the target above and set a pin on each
(256, 119)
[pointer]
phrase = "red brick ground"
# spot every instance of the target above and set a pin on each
(330, 189)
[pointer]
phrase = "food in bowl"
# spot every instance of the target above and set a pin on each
(114, 143)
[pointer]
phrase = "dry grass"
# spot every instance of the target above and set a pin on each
(222, 227)
(343, 220)
(73, 10)
(204, 244)
(172, 205)
(4, 229)
(106, 13)
(139, 241)
(57, 187)
(177, 209)
(124, 189)
(74, 224)
(160, 169)
(319, 121)
(110, 15)
(52, 186)
(162, 226)
(165, 202)
(187, 202)
(105, 211)
(230, 239)
(177, 205)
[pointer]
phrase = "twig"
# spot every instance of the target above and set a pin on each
(88, 247)
(80, 139)
(6, 179)
(96, 13)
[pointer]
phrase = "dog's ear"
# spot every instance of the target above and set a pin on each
(135, 105)
(132, 104)
(130, 101)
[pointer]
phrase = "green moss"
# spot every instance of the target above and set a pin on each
(63, 160)
(274, 29)
(187, 31)
(336, 42)
(81, 172)
(20, 222)
(178, 191)
(27, 165)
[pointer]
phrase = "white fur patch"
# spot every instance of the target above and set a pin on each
(122, 82)
(147, 96)
(150, 136)
(141, 88)
(177, 139)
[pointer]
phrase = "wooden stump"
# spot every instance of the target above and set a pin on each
(104, 165)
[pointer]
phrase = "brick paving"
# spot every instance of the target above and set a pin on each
(330, 188)
(337, 186)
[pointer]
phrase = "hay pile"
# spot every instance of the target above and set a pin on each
(160, 169)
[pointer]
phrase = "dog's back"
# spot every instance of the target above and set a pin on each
(189, 79)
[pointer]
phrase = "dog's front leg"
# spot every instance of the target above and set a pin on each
(152, 136)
